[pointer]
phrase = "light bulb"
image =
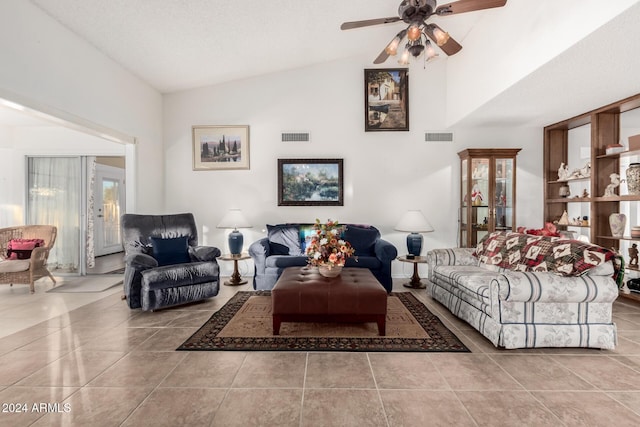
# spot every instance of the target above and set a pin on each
(413, 32)
(429, 52)
(392, 47)
(404, 59)
(441, 36)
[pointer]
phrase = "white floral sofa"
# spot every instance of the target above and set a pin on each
(523, 291)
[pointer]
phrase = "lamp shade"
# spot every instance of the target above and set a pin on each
(234, 219)
(414, 222)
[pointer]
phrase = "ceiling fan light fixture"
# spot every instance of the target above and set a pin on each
(414, 32)
(404, 58)
(429, 52)
(392, 47)
(441, 36)
(416, 49)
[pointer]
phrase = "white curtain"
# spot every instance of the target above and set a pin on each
(90, 246)
(54, 199)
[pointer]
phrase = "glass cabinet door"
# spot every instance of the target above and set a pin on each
(464, 203)
(479, 197)
(504, 194)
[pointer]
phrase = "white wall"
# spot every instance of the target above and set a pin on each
(510, 43)
(385, 173)
(47, 64)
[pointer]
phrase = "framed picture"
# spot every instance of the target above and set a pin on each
(220, 147)
(310, 182)
(386, 99)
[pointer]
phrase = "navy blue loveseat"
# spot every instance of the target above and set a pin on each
(285, 246)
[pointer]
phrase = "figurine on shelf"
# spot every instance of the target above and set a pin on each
(615, 182)
(563, 172)
(476, 196)
(633, 256)
(564, 219)
(585, 194)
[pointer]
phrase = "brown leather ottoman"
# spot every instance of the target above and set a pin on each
(301, 294)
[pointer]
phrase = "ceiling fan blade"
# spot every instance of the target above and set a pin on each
(450, 47)
(368, 22)
(462, 6)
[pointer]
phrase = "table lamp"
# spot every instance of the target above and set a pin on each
(235, 219)
(414, 222)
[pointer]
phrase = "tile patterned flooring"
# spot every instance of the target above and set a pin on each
(106, 365)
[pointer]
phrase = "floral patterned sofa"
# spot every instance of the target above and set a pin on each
(523, 291)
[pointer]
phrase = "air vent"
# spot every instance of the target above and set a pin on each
(295, 136)
(438, 137)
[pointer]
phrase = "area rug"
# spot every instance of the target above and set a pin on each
(244, 323)
(93, 283)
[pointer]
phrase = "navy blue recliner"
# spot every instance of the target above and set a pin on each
(164, 266)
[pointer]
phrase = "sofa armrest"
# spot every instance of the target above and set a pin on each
(204, 253)
(451, 256)
(259, 251)
(385, 251)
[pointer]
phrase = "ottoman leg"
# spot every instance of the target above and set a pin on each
(382, 325)
(276, 324)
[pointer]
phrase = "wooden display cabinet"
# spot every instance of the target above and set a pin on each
(488, 192)
(604, 126)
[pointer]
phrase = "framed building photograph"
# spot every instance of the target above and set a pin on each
(310, 182)
(220, 147)
(386, 99)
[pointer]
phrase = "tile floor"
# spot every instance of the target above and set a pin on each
(106, 365)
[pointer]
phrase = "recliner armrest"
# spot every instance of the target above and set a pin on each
(140, 261)
(204, 253)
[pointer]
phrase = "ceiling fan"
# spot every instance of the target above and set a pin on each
(416, 13)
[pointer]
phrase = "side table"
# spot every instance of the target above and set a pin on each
(235, 280)
(415, 282)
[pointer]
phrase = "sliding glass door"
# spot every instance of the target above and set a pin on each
(54, 188)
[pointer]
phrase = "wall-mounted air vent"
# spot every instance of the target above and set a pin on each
(438, 137)
(296, 137)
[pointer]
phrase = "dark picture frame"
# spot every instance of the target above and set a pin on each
(386, 99)
(220, 147)
(310, 182)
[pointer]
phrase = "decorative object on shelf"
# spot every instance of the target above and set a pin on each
(633, 256)
(615, 182)
(634, 142)
(583, 172)
(614, 148)
(563, 172)
(414, 222)
(234, 219)
(564, 191)
(585, 221)
(327, 249)
(633, 178)
(476, 196)
(585, 194)
(617, 222)
(635, 231)
(564, 219)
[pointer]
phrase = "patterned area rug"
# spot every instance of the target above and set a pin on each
(244, 323)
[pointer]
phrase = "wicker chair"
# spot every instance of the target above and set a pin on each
(34, 268)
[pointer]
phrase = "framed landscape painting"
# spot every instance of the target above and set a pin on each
(220, 147)
(310, 182)
(386, 99)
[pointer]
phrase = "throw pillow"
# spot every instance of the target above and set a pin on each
(22, 248)
(171, 251)
(284, 239)
(503, 248)
(563, 257)
(362, 238)
(306, 232)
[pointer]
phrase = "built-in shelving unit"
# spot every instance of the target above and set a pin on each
(604, 131)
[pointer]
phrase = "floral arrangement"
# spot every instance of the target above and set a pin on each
(326, 247)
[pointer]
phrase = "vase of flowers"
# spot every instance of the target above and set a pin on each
(327, 250)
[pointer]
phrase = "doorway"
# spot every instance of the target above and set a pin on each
(109, 191)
